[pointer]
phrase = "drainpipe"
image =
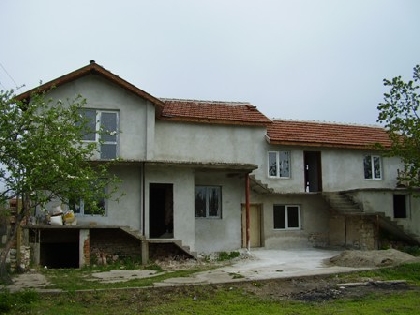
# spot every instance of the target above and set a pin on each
(144, 243)
(143, 210)
(248, 238)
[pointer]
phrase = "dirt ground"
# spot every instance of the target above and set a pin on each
(267, 282)
(326, 286)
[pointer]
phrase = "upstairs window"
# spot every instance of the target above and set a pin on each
(286, 217)
(372, 167)
(279, 164)
(102, 126)
(208, 202)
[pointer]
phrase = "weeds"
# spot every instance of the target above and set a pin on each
(19, 301)
(223, 256)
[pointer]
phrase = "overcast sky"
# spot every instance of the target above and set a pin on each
(297, 59)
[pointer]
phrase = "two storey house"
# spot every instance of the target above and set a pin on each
(205, 176)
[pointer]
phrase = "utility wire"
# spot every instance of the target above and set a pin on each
(8, 76)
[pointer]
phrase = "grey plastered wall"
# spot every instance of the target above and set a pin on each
(314, 216)
(182, 179)
(216, 235)
(342, 169)
(207, 143)
(382, 201)
(127, 210)
(137, 119)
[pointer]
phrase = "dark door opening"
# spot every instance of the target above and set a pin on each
(161, 211)
(399, 207)
(312, 169)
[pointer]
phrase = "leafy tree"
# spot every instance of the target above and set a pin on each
(399, 113)
(43, 158)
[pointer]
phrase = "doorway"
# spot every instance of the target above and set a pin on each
(254, 225)
(161, 211)
(312, 169)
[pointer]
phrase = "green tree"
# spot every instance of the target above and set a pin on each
(399, 114)
(43, 158)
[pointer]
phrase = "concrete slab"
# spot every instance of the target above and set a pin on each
(260, 264)
(268, 264)
(114, 276)
(30, 280)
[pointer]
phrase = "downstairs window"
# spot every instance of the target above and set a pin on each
(286, 217)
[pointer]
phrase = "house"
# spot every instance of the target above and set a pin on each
(205, 176)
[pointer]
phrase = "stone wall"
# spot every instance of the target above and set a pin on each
(353, 232)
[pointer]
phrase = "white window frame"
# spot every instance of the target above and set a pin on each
(207, 189)
(372, 159)
(279, 164)
(98, 117)
(286, 219)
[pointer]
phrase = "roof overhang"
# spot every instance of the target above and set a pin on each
(91, 69)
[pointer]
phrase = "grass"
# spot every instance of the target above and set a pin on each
(409, 272)
(206, 299)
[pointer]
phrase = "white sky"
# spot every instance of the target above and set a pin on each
(296, 59)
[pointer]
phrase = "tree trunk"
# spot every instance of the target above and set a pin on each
(11, 238)
(4, 275)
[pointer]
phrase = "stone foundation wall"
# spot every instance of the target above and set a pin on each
(353, 232)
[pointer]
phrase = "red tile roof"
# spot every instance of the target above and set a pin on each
(323, 134)
(235, 113)
(91, 68)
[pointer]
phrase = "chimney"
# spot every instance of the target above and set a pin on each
(92, 61)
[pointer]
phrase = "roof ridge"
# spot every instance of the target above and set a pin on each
(163, 99)
(328, 122)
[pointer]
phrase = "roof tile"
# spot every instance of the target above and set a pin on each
(213, 112)
(324, 134)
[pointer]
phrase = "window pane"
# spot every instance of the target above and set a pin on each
(279, 217)
(292, 217)
(90, 116)
(200, 201)
(100, 206)
(284, 163)
(272, 164)
(367, 164)
(108, 151)
(74, 204)
(377, 166)
(109, 123)
(214, 201)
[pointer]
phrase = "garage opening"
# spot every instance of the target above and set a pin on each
(59, 249)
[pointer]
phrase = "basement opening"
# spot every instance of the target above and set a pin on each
(59, 249)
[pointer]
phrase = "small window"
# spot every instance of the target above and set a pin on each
(80, 207)
(279, 164)
(286, 217)
(208, 202)
(102, 126)
(400, 207)
(372, 167)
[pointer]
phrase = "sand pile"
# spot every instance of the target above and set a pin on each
(372, 258)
